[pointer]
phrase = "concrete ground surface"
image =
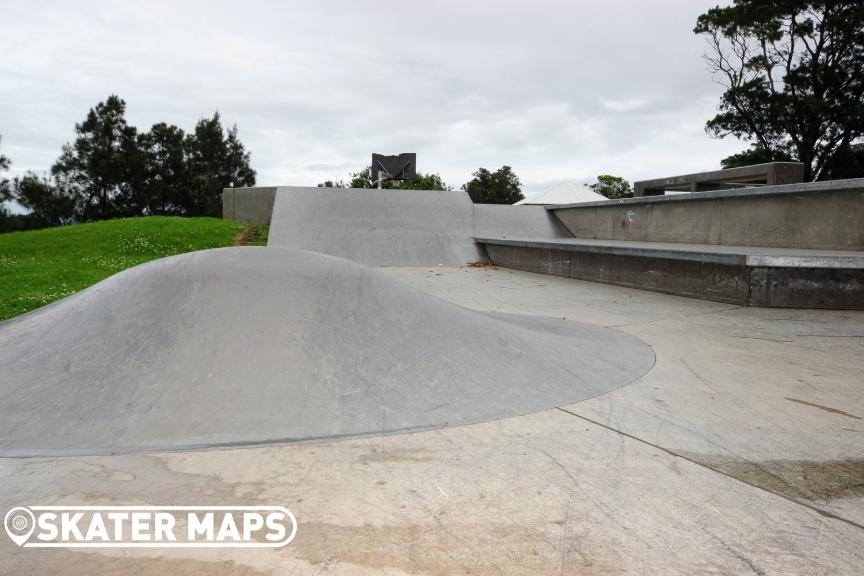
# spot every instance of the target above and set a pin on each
(740, 452)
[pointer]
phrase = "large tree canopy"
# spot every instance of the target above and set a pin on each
(794, 77)
(97, 168)
(499, 187)
(163, 183)
(112, 170)
(217, 160)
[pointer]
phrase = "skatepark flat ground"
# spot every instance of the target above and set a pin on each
(740, 452)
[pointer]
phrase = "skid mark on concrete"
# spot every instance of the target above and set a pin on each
(825, 408)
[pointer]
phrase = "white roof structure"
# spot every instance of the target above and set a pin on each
(565, 192)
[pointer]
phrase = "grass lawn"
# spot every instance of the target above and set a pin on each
(40, 266)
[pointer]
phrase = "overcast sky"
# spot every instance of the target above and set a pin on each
(558, 90)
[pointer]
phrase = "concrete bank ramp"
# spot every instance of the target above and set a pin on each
(398, 227)
(508, 221)
(241, 346)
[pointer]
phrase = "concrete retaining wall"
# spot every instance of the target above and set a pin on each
(822, 215)
(250, 205)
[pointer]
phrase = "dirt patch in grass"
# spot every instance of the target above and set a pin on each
(252, 235)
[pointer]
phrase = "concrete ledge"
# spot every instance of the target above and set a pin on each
(707, 253)
(752, 276)
(820, 215)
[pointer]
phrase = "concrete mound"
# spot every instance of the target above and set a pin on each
(398, 227)
(243, 346)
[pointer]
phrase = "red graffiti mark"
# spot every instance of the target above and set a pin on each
(624, 223)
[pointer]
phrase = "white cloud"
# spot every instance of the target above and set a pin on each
(554, 89)
(626, 105)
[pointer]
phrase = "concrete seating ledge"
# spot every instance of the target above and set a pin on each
(745, 275)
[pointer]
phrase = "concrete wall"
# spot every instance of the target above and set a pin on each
(825, 215)
(250, 205)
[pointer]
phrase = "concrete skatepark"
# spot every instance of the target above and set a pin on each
(422, 416)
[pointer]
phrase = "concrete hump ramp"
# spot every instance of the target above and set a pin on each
(398, 227)
(244, 346)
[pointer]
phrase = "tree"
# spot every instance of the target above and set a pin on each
(847, 163)
(49, 205)
(612, 187)
(97, 167)
(332, 184)
(755, 155)
(499, 187)
(164, 183)
(5, 193)
(425, 182)
(240, 173)
(111, 170)
(215, 163)
(364, 179)
(5, 189)
(793, 73)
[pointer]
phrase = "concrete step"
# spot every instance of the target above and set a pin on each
(747, 275)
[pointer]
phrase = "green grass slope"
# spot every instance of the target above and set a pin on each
(40, 266)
